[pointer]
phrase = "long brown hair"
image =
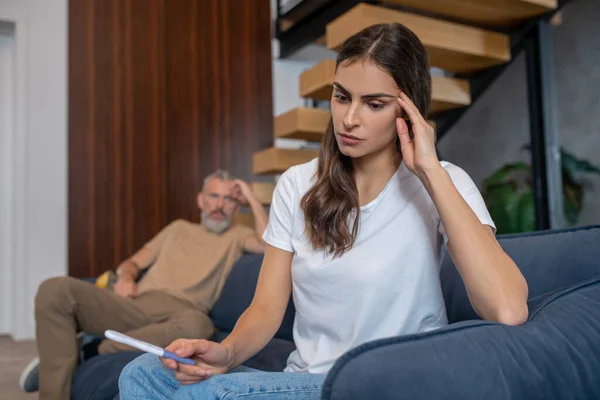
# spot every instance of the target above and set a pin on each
(331, 206)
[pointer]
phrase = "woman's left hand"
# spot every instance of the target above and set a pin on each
(419, 153)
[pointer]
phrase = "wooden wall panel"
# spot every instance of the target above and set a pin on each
(160, 94)
(218, 93)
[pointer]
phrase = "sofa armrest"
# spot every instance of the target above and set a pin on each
(555, 355)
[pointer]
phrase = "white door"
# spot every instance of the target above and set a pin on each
(7, 62)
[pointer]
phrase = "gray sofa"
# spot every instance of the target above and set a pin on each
(554, 355)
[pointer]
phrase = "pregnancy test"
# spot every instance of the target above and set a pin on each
(147, 347)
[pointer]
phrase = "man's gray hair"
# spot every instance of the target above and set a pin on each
(221, 174)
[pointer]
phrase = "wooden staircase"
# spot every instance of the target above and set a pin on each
(462, 38)
(451, 46)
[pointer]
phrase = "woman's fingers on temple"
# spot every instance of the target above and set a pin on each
(410, 108)
(404, 97)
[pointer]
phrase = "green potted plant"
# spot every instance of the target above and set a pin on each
(509, 195)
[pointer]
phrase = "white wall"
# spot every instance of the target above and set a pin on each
(7, 61)
(39, 152)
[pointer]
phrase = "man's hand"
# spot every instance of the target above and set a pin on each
(126, 287)
(242, 192)
(245, 197)
(211, 359)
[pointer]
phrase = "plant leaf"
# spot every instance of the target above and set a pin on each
(513, 209)
(526, 213)
(575, 166)
(573, 193)
(503, 204)
(569, 166)
(586, 166)
(501, 175)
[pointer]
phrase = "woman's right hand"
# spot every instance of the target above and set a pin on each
(253, 330)
(211, 359)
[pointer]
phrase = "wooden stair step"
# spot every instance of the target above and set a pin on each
(317, 82)
(446, 93)
(263, 191)
(302, 123)
(503, 13)
(276, 160)
(451, 46)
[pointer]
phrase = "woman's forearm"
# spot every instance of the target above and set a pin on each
(496, 287)
(259, 323)
(253, 331)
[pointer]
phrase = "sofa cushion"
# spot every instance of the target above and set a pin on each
(237, 295)
(98, 377)
(555, 355)
(549, 260)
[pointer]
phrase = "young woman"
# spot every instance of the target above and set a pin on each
(355, 235)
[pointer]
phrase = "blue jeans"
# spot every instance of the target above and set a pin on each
(146, 378)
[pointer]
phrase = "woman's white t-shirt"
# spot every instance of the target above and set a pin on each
(386, 285)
